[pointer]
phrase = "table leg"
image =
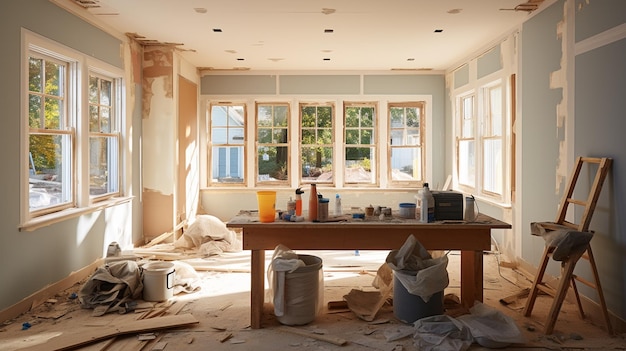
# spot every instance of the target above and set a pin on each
(257, 287)
(471, 277)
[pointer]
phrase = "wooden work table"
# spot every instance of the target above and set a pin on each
(369, 234)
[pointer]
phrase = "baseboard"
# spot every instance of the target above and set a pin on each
(49, 291)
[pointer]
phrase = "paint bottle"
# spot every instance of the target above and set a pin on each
(427, 206)
(299, 193)
(313, 203)
(338, 211)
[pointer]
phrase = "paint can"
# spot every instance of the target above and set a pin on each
(158, 281)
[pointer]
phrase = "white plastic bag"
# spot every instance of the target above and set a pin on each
(490, 327)
(441, 333)
(422, 275)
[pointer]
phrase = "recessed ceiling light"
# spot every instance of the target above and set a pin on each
(329, 30)
(438, 30)
(231, 51)
(217, 30)
(241, 59)
(454, 11)
(410, 59)
(200, 10)
(328, 11)
(327, 59)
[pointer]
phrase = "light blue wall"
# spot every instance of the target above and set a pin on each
(597, 92)
(32, 260)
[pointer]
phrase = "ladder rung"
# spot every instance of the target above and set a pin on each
(546, 289)
(586, 282)
(577, 202)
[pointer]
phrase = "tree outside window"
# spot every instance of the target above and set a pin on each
(360, 143)
(272, 143)
(50, 136)
(316, 143)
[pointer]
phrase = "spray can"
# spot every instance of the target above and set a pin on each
(299, 193)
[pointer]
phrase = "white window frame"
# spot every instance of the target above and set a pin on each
(258, 144)
(333, 128)
(244, 145)
(374, 146)
(424, 166)
(77, 118)
(479, 90)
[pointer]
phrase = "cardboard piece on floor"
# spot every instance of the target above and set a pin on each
(86, 336)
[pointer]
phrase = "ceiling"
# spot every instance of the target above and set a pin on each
(274, 35)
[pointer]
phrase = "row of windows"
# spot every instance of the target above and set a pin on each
(73, 122)
(315, 154)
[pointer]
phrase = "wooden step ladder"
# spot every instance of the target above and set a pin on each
(567, 277)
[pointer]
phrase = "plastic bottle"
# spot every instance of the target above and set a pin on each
(427, 209)
(299, 193)
(338, 211)
(322, 209)
(291, 206)
(313, 203)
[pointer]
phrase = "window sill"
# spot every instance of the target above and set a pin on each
(56, 217)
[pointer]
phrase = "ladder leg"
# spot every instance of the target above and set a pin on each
(561, 292)
(532, 295)
(605, 311)
(581, 313)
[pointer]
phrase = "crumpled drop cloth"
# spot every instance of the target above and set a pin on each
(210, 236)
(566, 242)
(111, 285)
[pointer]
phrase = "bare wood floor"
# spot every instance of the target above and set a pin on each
(222, 309)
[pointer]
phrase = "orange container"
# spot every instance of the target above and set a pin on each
(267, 206)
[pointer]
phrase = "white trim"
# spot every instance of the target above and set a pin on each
(607, 37)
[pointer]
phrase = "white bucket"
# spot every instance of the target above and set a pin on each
(158, 281)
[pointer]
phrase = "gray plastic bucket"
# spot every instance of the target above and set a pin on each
(408, 307)
(302, 289)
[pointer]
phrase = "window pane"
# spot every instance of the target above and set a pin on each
(493, 166)
(227, 164)
(272, 161)
(280, 136)
(35, 74)
(358, 165)
(102, 170)
(317, 141)
(317, 164)
(34, 111)
(50, 180)
(93, 90)
(467, 164)
(94, 125)
(406, 164)
(54, 79)
(53, 113)
(407, 149)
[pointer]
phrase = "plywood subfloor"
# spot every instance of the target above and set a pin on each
(222, 308)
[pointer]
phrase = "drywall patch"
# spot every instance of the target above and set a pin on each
(558, 80)
(158, 63)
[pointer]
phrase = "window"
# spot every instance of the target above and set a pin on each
(360, 143)
(316, 139)
(466, 142)
(104, 137)
(481, 141)
(73, 120)
(272, 137)
(492, 142)
(406, 121)
(227, 143)
(50, 138)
